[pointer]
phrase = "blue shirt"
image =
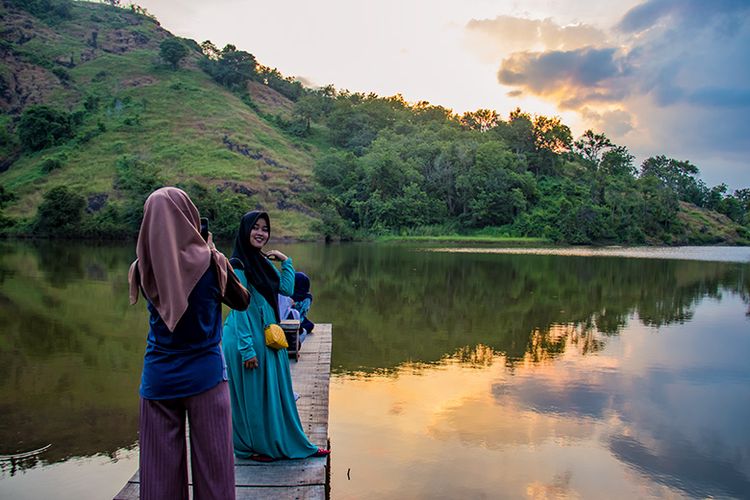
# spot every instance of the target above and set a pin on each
(189, 360)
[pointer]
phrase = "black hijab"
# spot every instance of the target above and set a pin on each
(301, 287)
(259, 271)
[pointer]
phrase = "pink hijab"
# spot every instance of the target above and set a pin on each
(172, 255)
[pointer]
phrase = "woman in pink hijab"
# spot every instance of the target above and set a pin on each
(184, 280)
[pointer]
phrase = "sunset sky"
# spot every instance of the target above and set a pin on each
(658, 76)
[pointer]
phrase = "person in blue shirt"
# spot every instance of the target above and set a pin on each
(184, 280)
(303, 300)
(265, 422)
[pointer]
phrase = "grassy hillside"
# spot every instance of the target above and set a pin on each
(104, 63)
(118, 121)
(706, 227)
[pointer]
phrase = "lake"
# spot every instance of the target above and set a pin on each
(457, 372)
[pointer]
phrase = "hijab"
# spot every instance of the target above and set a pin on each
(172, 255)
(259, 271)
(301, 287)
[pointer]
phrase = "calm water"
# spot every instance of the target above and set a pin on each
(457, 372)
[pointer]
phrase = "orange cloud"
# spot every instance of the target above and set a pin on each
(493, 39)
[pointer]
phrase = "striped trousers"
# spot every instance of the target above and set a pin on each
(163, 450)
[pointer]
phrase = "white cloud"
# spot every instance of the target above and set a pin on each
(672, 78)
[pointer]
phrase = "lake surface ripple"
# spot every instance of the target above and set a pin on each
(457, 372)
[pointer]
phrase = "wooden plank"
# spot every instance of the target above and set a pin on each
(131, 491)
(299, 479)
(292, 474)
(302, 462)
(265, 493)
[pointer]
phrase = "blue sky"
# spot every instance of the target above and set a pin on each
(658, 76)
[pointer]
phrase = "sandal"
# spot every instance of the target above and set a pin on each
(260, 458)
(321, 453)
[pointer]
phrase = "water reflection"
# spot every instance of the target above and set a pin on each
(456, 373)
(657, 413)
(401, 305)
(70, 351)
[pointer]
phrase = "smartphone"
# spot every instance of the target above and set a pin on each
(204, 228)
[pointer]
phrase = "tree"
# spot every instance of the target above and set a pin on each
(60, 213)
(679, 177)
(551, 134)
(231, 68)
(591, 146)
(426, 112)
(551, 138)
(43, 126)
(518, 132)
(481, 119)
(715, 197)
(743, 200)
(494, 189)
(604, 160)
(618, 162)
(286, 86)
(308, 108)
(172, 51)
(210, 50)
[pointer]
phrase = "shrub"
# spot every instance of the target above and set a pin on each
(5, 196)
(51, 163)
(172, 51)
(91, 103)
(43, 126)
(224, 209)
(88, 135)
(232, 68)
(331, 225)
(8, 140)
(48, 10)
(109, 223)
(136, 179)
(60, 213)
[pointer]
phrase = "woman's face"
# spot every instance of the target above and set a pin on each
(259, 233)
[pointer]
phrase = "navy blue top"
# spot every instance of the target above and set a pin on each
(189, 360)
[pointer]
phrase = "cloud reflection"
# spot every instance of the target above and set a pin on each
(682, 466)
(647, 413)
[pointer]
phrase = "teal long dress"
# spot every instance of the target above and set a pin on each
(264, 414)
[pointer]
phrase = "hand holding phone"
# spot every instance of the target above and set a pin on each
(204, 228)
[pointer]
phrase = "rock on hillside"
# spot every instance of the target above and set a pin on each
(33, 50)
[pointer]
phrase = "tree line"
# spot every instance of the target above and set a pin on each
(393, 167)
(417, 168)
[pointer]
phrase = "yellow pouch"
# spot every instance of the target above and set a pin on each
(275, 337)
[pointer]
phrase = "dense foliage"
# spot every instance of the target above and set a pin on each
(60, 213)
(47, 10)
(418, 168)
(172, 51)
(383, 166)
(43, 126)
(230, 67)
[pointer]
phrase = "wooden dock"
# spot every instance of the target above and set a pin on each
(293, 479)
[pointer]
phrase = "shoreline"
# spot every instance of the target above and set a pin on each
(509, 241)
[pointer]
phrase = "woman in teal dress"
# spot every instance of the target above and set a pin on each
(265, 421)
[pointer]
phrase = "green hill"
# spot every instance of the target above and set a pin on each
(97, 113)
(177, 124)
